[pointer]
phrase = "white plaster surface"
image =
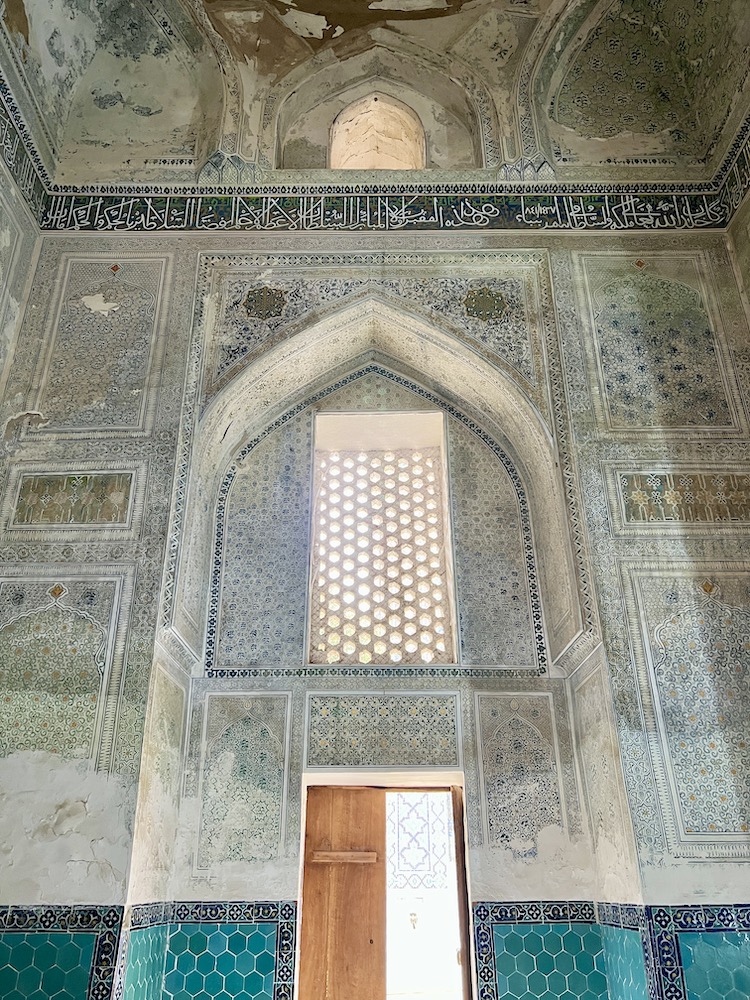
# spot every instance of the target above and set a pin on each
(65, 831)
(562, 869)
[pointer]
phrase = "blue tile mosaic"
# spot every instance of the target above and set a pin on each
(226, 961)
(44, 940)
(549, 962)
(716, 964)
(144, 969)
(624, 963)
(45, 966)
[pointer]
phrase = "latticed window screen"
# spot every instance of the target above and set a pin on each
(380, 575)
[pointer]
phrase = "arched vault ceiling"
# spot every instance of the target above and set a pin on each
(668, 69)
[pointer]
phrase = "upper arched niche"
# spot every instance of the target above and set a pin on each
(306, 105)
(377, 132)
(300, 367)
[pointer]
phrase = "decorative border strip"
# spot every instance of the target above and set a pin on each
(659, 926)
(212, 630)
(283, 913)
(103, 921)
(418, 208)
(279, 207)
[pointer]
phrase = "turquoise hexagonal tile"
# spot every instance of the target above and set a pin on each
(214, 983)
(265, 963)
(553, 943)
(254, 984)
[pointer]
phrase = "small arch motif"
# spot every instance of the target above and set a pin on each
(377, 132)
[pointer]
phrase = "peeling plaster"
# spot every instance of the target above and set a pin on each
(562, 869)
(65, 831)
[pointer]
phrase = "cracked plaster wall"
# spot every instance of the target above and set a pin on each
(117, 89)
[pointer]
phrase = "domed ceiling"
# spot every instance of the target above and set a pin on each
(154, 91)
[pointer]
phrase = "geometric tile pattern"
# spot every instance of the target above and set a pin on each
(692, 627)
(681, 952)
(60, 952)
(688, 952)
(716, 965)
(223, 950)
(702, 674)
(495, 608)
(224, 961)
(658, 356)
(39, 966)
(376, 730)
(549, 961)
(491, 311)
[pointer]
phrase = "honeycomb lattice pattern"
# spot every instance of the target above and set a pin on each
(41, 966)
(221, 961)
(717, 965)
(549, 962)
(380, 586)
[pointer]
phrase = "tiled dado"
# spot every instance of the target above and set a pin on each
(245, 951)
(58, 952)
(585, 951)
(224, 951)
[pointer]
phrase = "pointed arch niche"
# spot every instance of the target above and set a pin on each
(377, 132)
(517, 594)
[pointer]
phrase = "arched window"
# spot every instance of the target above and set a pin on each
(377, 133)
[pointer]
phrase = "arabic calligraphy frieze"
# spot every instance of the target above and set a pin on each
(384, 212)
(23, 166)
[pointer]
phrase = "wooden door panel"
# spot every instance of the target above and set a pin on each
(342, 935)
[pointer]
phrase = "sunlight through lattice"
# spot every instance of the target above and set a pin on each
(380, 586)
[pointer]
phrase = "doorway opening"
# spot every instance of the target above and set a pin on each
(384, 912)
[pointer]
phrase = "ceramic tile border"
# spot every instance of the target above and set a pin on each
(283, 913)
(659, 927)
(105, 922)
(469, 204)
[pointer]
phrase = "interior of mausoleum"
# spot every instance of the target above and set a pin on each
(374, 500)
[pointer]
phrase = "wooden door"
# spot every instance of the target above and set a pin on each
(342, 933)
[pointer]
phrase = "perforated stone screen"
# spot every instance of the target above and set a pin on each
(381, 581)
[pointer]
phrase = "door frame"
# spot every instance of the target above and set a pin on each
(388, 778)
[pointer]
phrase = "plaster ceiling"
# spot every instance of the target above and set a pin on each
(603, 89)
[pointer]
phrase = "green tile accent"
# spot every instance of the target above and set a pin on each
(45, 966)
(144, 969)
(549, 961)
(716, 964)
(625, 964)
(233, 961)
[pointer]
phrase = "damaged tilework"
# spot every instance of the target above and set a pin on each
(243, 781)
(85, 498)
(107, 313)
(520, 771)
